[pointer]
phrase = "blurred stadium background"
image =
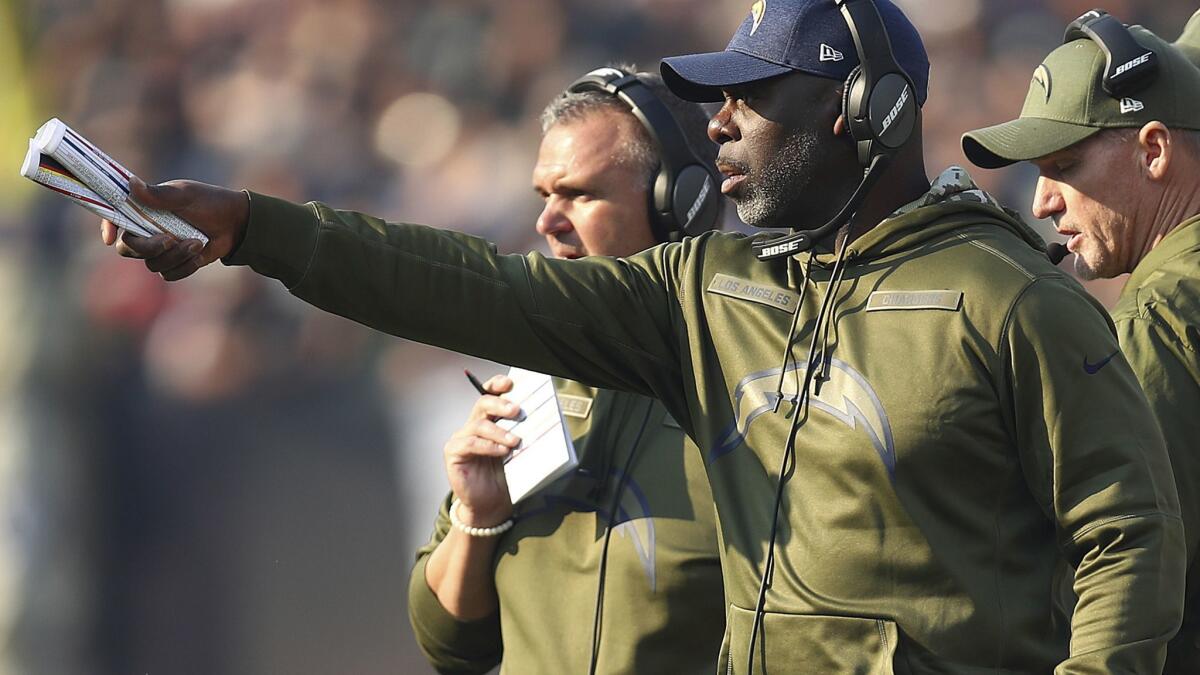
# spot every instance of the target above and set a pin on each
(212, 478)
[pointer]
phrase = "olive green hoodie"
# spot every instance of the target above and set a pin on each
(663, 609)
(1158, 323)
(964, 442)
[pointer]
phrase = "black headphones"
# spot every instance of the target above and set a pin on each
(683, 194)
(879, 99)
(879, 102)
(1129, 66)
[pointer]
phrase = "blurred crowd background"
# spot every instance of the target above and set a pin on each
(211, 477)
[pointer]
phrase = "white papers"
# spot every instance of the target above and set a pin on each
(546, 451)
(49, 173)
(67, 163)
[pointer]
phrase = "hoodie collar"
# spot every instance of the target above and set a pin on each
(1183, 239)
(952, 192)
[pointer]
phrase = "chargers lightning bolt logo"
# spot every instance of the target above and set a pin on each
(634, 522)
(1041, 77)
(847, 396)
(756, 13)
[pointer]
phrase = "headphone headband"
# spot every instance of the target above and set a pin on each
(1129, 66)
(682, 192)
(645, 106)
(875, 56)
(879, 102)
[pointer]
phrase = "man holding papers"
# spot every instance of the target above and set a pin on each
(614, 566)
(900, 438)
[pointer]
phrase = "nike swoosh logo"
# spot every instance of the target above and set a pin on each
(1093, 368)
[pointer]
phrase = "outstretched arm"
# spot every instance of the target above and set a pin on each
(608, 322)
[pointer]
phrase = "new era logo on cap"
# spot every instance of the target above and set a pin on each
(1129, 105)
(830, 54)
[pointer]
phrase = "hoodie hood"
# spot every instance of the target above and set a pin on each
(953, 200)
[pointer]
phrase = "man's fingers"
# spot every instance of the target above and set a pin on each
(490, 431)
(485, 448)
(163, 255)
(186, 269)
(499, 384)
(133, 246)
(494, 406)
(467, 448)
(175, 256)
(108, 232)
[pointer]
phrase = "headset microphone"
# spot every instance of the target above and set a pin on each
(1056, 252)
(806, 239)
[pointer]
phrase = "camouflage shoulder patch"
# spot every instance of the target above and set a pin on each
(881, 301)
(952, 185)
(740, 289)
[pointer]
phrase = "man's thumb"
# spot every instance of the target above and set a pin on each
(162, 196)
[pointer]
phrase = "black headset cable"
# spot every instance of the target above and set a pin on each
(787, 463)
(787, 347)
(597, 619)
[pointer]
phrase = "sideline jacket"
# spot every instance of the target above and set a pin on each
(664, 607)
(956, 453)
(1158, 324)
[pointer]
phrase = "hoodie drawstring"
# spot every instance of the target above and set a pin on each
(791, 336)
(835, 287)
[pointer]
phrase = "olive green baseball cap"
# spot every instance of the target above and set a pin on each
(1188, 41)
(1067, 103)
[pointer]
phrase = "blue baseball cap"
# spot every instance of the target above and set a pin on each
(788, 36)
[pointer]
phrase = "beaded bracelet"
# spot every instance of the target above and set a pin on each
(493, 531)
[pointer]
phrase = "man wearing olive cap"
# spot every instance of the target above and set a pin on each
(1118, 176)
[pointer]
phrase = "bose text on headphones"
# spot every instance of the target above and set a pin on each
(879, 102)
(683, 196)
(1130, 66)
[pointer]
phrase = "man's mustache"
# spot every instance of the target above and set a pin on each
(732, 166)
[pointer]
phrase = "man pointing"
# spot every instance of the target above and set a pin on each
(892, 423)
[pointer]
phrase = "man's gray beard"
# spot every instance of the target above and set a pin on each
(1083, 270)
(770, 191)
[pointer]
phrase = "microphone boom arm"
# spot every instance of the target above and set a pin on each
(796, 242)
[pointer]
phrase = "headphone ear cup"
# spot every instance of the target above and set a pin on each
(893, 111)
(855, 101)
(694, 202)
(659, 198)
(847, 88)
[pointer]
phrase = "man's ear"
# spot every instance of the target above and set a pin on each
(1156, 150)
(839, 125)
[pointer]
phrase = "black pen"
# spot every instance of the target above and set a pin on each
(476, 383)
